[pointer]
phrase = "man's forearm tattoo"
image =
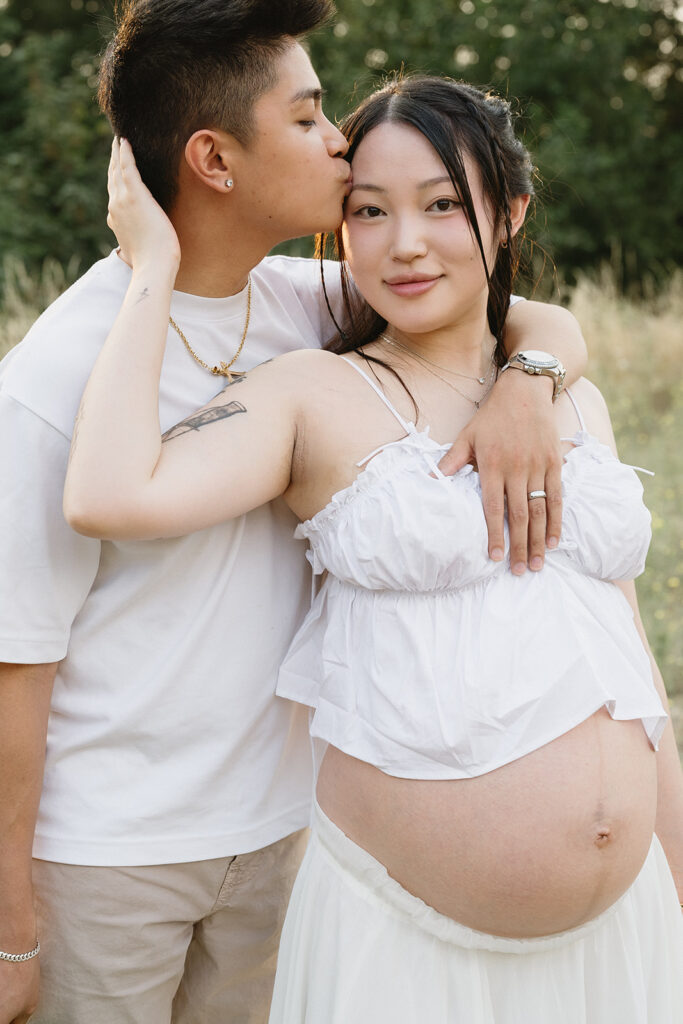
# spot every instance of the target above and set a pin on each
(203, 418)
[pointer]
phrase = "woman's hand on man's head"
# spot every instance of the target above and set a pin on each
(144, 232)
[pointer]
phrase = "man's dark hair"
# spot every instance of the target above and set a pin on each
(175, 66)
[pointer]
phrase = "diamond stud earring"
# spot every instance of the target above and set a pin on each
(229, 183)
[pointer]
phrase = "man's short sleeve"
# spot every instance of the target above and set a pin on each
(47, 568)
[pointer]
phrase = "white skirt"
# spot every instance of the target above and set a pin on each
(357, 948)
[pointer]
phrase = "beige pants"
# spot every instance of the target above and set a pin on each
(188, 943)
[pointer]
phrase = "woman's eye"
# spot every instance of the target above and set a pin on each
(368, 211)
(444, 205)
(307, 124)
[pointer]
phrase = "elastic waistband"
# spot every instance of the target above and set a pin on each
(364, 871)
(481, 582)
(558, 559)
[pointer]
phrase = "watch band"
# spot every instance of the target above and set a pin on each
(539, 364)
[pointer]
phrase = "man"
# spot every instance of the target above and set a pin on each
(176, 787)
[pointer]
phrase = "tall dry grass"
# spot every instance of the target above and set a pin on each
(25, 296)
(636, 359)
(636, 356)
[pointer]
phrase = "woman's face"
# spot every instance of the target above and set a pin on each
(408, 241)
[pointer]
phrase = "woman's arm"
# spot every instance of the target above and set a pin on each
(669, 821)
(513, 438)
(127, 481)
(235, 454)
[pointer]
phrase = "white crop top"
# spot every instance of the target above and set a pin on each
(426, 659)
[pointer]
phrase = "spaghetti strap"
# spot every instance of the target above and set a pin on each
(378, 391)
(582, 425)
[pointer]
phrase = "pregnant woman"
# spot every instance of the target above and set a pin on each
(483, 845)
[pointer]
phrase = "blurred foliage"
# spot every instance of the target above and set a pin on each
(25, 295)
(595, 82)
(55, 143)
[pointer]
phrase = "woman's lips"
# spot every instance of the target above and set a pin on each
(415, 287)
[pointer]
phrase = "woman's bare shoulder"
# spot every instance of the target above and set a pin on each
(588, 393)
(590, 400)
(593, 406)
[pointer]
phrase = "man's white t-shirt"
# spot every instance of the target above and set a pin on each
(166, 742)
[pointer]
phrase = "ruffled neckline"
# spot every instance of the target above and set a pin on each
(375, 466)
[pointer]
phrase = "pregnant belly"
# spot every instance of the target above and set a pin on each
(538, 846)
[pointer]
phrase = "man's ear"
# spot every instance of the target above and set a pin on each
(518, 208)
(210, 156)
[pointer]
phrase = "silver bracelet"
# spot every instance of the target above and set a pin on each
(18, 957)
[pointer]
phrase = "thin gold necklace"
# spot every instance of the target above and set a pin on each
(223, 368)
(475, 402)
(445, 369)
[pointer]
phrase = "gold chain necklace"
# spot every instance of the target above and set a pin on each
(445, 369)
(223, 368)
(475, 402)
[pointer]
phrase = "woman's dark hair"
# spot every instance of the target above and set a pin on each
(175, 66)
(455, 118)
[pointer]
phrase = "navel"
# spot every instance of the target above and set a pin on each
(603, 836)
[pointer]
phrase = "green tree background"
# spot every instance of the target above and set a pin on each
(598, 85)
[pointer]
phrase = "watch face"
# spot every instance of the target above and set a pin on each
(537, 358)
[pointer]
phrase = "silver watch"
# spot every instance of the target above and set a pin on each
(543, 363)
